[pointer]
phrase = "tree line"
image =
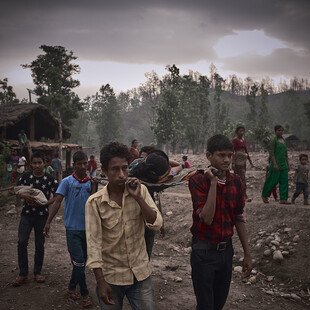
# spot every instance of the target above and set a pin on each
(176, 111)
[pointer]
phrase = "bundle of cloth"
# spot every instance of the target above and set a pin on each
(34, 192)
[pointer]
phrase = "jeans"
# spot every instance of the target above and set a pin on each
(27, 222)
(76, 242)
(140, 296)
(211, 276)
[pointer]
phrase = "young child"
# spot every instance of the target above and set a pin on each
(186, 163)
(34, 216)
(116, 217)
(218, 203)
(301, 178)
(75, 189)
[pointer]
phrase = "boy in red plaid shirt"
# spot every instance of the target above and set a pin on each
(218, 204)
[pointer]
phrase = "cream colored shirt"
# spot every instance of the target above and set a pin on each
(115, 236)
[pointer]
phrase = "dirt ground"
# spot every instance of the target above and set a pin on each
(275, 285)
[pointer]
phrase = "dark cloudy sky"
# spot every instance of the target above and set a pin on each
(116, 42)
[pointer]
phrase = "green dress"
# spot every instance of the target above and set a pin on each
(279, 176)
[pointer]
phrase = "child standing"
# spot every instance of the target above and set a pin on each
(33, 216)
(76, 189)
(92, 166)
(186, 163)
(218, 204)
(301, 178)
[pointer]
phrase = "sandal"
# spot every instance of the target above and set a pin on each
(86, 302)
(284, 202)
(19, 281)
(74, 295)
(39, 278)
(265, 199)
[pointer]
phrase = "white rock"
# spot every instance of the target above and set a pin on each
(287, 229)
(253, 271)
(58, 218)
(12, 211)
(270, 292)
(252, 279)
(269, 239)
(178, 279)
(275, 242)
(273, 248)
(169, 213)
(295, 297)
(296, 238)
(267, 252)
(270, 278)
(238, 269)
(277, 256)
(188, 250)
(285, 253)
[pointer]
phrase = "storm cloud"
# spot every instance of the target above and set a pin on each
(157, 32)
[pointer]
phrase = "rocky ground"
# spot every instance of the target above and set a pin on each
(279, 238)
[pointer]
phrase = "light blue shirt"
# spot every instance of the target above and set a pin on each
(76, 195)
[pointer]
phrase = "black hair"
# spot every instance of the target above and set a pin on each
(239, 127)
(147, 149)
(133, 141)
(113, 149)
(79, 155)
(276, 127)
(184, 157)
(303, 156)
(219, 143)
(37, 154)
(92, 156)
(160, 153)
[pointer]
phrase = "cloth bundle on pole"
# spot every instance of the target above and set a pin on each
(34, 192)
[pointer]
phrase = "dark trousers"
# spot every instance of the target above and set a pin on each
(76, 242)
(301, 188)
(211, 276)
(27, 222)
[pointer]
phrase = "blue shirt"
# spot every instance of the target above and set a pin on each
(76, 195)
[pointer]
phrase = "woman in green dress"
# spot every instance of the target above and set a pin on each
(279, 167)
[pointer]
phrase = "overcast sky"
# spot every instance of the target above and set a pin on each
(116, 42)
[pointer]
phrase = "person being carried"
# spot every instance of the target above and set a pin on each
(301, 178)
(218, 204)
(279, 167)
(92, 166)
(75, 189)
(115, 223)
(241, 155)
(34, 216)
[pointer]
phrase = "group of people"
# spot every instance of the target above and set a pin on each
(276, 170)
(106, 230)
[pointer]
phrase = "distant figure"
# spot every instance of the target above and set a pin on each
(279, 166)
(48, 168)
(186, 163)
(241, 155)
(92, 166)
(134, 150)
(301, 178)
(21, 165)
(22, 138)
(56, 165)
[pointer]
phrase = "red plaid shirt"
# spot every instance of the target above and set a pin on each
(228, 210)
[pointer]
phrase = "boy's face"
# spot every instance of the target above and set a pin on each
(37, 165)
(117, 171)
(80, 166)
(220, 159)
(279, 132)
(304, 160)
(240, 132)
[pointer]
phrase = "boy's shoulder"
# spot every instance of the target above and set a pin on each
(101, 194)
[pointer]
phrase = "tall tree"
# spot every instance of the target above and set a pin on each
(251, 100)
(52, 74)
(7, 95)
(105, 112)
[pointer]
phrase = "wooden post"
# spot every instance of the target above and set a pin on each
(60, 143)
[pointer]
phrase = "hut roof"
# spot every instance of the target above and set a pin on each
(14, 113)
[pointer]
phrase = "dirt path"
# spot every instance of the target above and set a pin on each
(171, 255)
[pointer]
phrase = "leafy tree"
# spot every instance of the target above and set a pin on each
(7, 95)
(251, 100)
(105, 111)
(52, 74)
